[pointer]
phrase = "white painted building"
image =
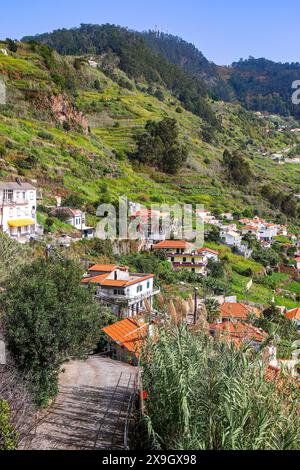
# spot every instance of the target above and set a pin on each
(209, 254)
(125, 293)
(18, 210)
(76, 218)
(232, 239)
(268, 232)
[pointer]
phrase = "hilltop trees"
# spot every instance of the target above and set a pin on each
(48, 317)
(132, 54)
(159, 146)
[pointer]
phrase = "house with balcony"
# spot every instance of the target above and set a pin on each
(18, 210)
(127, 294)
(173, 247)
(193, 262)
(268, 232)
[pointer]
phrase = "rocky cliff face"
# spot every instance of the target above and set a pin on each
(65, 112)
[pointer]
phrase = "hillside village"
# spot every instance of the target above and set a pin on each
(98, 335)
(130, 295)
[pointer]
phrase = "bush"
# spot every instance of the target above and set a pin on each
(49, 317)
(8, 437)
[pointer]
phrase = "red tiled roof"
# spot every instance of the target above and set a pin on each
(293, 314)
(129, 334)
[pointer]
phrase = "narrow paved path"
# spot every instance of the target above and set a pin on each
(90, 409)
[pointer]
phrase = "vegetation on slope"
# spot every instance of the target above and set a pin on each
(204, 394)
(42, 137)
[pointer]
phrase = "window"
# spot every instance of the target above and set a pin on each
(11, 212)
(139, 289)
(8, 194)
(31, 195)
(148, 285)
(18, 212)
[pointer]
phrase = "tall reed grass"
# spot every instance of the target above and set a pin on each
(205, 394)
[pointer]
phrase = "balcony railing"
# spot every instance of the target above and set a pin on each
(109, 296)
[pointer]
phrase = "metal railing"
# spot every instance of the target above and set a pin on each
(126, 298)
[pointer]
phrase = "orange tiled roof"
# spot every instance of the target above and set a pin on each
(129, 334)
(105, 268)
(172, 244)
(202, 250)
(241, 331)
(238, 310)
(234, 310)
(250, 227)
(94, 279)
(293, 314)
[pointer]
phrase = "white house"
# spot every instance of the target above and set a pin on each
(126, 293)
(251, 230)
(232, 239)
(268, 232)
(76, 218)
(18, 210)
(209, 254)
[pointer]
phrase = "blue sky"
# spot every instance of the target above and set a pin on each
(224, 30)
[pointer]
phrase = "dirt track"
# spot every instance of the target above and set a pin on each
(88, 406)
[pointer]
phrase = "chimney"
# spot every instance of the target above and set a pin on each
(18, 180)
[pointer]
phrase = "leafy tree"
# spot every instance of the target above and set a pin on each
(267, 257)
(215, 269)
(48, 317)
(73, 200)
(213, 234)
(12, 45)
(160, 146)
(239, 170)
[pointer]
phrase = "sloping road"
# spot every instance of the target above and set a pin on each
(90, 409)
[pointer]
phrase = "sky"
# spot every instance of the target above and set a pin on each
(224, 30)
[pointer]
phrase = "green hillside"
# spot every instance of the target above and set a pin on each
(71, 126)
